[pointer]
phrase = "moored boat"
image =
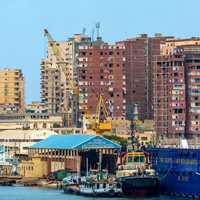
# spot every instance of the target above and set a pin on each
(136, 176)
(178, 170)
(100, 189)
(100, 185)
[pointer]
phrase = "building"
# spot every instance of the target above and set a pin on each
(34, 121)
(168, 46)
(59, 78)
(11, 90)
(139, 53)
(17, 142)
(176, 94)
(101, 71)
(72, 153)
(36, 107)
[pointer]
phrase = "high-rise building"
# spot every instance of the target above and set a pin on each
(168, 46)
(59, 77)
(139, 53)
(102, 71)
(11, 90)
(176, 93)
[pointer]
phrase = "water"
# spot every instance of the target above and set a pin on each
(28, 193)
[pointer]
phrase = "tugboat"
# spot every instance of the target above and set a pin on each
(136, 176)
(134, 173)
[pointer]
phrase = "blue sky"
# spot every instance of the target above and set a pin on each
(22, 44)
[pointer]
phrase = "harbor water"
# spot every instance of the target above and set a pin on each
(34, 193)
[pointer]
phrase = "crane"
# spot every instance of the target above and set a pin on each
(99, 124)
(102, 125)
(70, 87)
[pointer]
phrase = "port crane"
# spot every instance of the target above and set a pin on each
(101, 122)
(69, 86)
(102, 125)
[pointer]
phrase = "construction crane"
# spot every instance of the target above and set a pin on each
(70, 87)
(102, 125)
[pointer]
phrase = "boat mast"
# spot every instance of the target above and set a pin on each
(134, 118)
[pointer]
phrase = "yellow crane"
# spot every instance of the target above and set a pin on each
(102, 125)
(70, 86)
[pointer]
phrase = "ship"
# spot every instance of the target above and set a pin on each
(135, 173)
(178, 170)
(93, 186)
(136, 176)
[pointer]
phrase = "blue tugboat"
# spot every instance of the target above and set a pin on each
(178, 170)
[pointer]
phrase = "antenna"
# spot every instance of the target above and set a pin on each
(97, 25)
(93, 34)
(83, 31)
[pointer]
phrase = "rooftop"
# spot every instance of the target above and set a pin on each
(76, 141)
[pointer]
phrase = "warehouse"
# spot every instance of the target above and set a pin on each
(73, 153)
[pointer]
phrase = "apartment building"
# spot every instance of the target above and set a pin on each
(11, 90)
(176, 93)
(139, 53)
(59, 77)
(101, 71)
(168, 46)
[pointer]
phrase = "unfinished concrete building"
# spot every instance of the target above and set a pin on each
(11, 90)
(59, 78)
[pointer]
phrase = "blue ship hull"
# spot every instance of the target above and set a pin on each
(178, 170)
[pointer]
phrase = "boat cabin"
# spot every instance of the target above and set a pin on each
(134, 163)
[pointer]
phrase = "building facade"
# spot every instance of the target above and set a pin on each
(168, 46)
(139, 53)
(11, 90)
(101, 71)
(32, 121)
(176, 93)
(59, 78)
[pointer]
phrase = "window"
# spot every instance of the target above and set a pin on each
(136, 159)
(141, 158)
(110, 53)
(130, 159)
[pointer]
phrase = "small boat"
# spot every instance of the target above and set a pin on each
(136, 176)
(99, 185)
(100, 189)
(70, 185)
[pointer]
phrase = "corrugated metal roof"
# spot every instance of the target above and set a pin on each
(76, 141)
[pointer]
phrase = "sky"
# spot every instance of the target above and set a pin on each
(22, 42)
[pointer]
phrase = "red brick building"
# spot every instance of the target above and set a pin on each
(139, 53)
(177, 93)
(102, 71)
(169, 95)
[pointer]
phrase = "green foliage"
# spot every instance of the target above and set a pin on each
(56, 125)
(116, 139)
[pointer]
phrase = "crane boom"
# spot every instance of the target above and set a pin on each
(68, 85)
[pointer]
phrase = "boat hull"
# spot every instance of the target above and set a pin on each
(71, 189)
(100, 194)
(140, 186)
(178, 170)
